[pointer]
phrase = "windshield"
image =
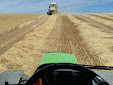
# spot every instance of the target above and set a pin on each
(31, 28)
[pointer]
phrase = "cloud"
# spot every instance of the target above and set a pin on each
(78, 5)
(22, 6)
(17, 2)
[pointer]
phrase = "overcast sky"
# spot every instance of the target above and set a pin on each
(66, 6)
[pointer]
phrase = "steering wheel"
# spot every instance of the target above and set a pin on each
(52, 67)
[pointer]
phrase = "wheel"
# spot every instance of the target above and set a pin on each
(24, 78)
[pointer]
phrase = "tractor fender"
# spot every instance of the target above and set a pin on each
(12, 77)
(108, 76)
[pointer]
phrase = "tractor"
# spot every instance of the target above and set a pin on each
(59, 68)
(53, 9)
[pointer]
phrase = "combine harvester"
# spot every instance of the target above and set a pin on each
(59, 68)
(53, 9)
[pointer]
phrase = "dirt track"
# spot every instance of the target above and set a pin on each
(57, 33)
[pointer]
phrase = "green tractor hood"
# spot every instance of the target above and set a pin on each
(58, 57)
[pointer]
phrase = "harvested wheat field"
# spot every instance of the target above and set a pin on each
(88, 36)
(9, 22)
(15, 34)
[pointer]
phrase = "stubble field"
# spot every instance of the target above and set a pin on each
(88, 36)
(9, 22)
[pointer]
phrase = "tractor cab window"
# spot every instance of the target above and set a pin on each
(52, 5)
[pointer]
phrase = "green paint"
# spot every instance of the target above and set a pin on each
(58, 57)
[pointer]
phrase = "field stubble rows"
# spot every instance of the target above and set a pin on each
(7, 40)
(26, 54)
(88, 39)
(9, 22)
(97, 36)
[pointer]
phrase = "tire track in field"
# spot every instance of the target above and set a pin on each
(94, 23)
(7, 40)
(102, 17)
(78, 48)
(52, 40)
(66, 38)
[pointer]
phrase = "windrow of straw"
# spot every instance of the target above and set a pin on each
(100, 20)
